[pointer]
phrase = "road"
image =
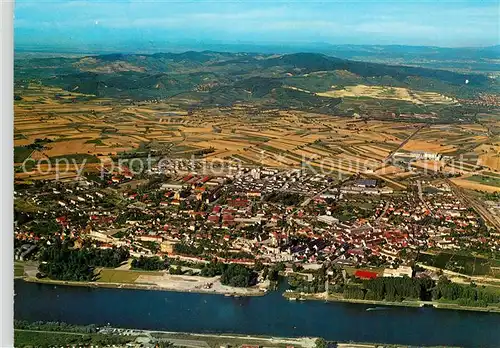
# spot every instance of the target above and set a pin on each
(389, 157)
(308, 200)
(421, 196)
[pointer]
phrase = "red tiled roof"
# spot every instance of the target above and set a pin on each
(365, 274)
(205, 179)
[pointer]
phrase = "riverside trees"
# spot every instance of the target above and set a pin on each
(232, 274)
(465, 295)
(149, 263)
(61, 261)
(423, 289)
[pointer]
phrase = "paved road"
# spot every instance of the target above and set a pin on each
(383, 213)
(404, 142)
(421, 196)
(308, 200)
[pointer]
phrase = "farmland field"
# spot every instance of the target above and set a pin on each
(485, 180)
(386, 92)
(354, 128)
(491, 174)
(21, 153)
(469, 265)
(75, 158)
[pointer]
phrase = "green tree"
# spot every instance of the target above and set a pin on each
(321, 343)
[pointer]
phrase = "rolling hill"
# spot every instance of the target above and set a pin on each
(304, 81)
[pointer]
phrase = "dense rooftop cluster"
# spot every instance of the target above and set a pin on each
(251, 213)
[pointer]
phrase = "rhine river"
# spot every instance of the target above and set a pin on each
(270, 315)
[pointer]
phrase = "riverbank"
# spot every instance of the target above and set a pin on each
(236, 340)
(148, 338)
(181, 284)
(271, 315)
(293, 296)
(176, 285)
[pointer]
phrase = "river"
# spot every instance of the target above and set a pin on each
(270, 315)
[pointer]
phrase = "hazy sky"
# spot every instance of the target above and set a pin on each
(101, 23)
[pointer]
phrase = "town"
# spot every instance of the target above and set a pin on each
(324, 233)
(245, 174)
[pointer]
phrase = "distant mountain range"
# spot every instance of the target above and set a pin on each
(209, 78)
(417, 52)
(477, 59)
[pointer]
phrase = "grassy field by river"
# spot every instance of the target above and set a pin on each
(32, 338)
(123, 276)
(18, 269)
(124, 338)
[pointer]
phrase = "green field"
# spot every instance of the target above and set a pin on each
(26, 338)
(122, 276)
(270, 149)
(496, 175)
(182, 148)
(95, 141)
(18, 269)
(25, 206)
(21, 153)
(469, 265)
(485, 180)
(75, 158)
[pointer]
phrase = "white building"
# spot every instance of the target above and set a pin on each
(401, 271)
(327, 219)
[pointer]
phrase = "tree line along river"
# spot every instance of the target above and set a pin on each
(270, 315)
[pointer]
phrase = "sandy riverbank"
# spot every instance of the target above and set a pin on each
(198, 284)
(167, 283)
(155, 280)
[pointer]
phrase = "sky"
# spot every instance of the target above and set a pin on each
(153, 23)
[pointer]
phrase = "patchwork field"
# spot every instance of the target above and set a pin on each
(485, 180)
(51, 124)
(478, 182)
(469, 265)
(387, 92)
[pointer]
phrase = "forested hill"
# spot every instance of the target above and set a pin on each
(225, 78)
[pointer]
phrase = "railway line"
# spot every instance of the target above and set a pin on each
(485, 213)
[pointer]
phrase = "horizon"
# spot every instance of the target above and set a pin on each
(319, 48)
(155, 26)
